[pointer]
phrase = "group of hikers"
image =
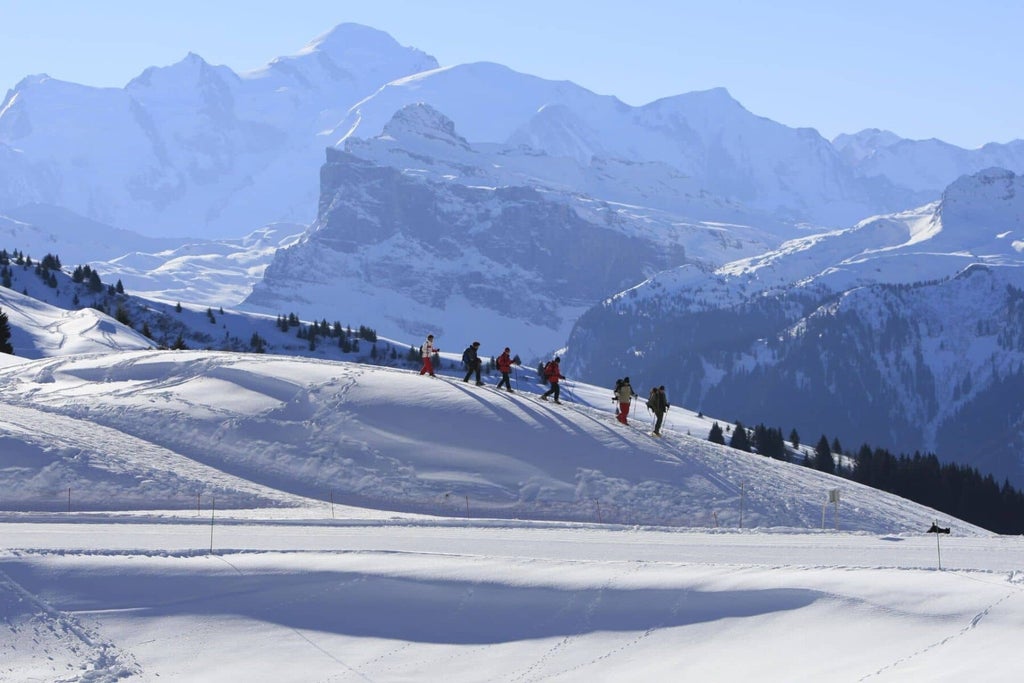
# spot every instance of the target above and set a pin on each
(657, 402)
(471, 359)
(623, 392)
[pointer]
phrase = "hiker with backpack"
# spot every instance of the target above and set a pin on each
(625, 395)
(657, 402)
(552, 373)
(472, 362)
(505, 363)
(427, 351)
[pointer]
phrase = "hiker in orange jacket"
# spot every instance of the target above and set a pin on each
(552, 373)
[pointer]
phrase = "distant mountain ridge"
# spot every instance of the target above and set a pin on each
(192, 148)
(925, 166)
(896, 331)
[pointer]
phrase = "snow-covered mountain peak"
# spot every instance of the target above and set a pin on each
(501, 101)
(191, 85)
(858, 146)
(27, 82)
(992, 198)
(351, 40)
(353, 53)
(709, 110)
(422, 121)
(713, 99)
(190, 72)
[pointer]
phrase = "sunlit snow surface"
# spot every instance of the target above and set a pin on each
(373, 524)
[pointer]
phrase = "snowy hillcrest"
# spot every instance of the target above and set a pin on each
(380, 441)
(192, 148)
(904, 331)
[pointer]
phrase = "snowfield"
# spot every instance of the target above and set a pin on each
(216, 516)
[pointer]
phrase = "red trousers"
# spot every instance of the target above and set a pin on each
(428, 366)
(623, 411)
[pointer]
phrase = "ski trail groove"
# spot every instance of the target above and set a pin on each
(106, 661)
(975, 621)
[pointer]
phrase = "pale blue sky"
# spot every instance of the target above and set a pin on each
(950, 70)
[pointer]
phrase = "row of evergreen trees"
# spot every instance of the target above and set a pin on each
(957, 490)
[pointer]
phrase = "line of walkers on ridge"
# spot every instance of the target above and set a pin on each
(471, 359)
(624, 394)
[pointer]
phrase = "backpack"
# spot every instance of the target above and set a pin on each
(465, 355)
(651, 398)
(550, 370)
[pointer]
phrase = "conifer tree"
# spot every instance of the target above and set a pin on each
(716, 435)
(95, 284)
(739, 439)
(823, 459)
(5, 335)
(121, 315)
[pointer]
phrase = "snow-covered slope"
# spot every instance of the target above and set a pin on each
(895, 332)
(39, 329)
(151, 428)
(301, 519)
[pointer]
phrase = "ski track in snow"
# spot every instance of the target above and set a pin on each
(973, 624)
(35, 624)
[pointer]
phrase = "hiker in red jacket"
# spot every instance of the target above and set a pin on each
(428, 351)
(505, 363)
(552, 374)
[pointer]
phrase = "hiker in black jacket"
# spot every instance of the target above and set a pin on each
(658, 403)
(472, 361)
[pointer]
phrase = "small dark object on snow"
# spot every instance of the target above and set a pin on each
(936, 529)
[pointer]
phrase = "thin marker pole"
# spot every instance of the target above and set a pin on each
(213, 505)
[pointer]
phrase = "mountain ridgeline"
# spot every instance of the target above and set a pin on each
(849, 342)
